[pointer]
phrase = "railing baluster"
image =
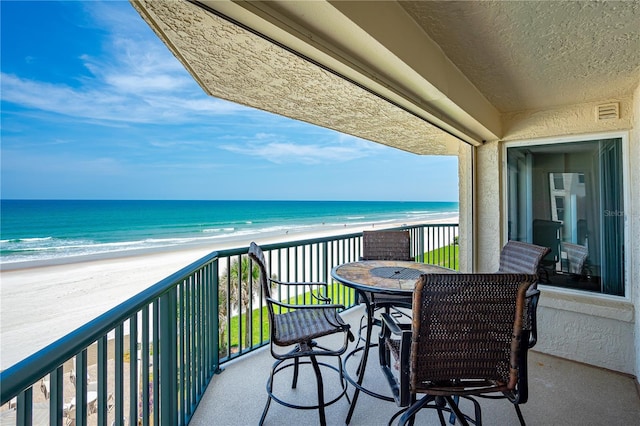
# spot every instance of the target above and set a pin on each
(101, 355)
(168, 378)
(215, 318)
(192, 349)
(238, 277)
(24, 408)
(200, 336)
(183, 364)
(81, 388)
(119, 375)
(56, 396)
(249, 313)
(289, 272)
(156, 361)
(228, 315)
(279, 275)
(323, 252)
(133, 369)
(145, 367)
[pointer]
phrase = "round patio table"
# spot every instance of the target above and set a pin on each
(371, 278)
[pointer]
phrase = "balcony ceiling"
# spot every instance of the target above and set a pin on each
(417, 75)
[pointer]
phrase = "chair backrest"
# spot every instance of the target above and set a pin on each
(386, 245)
(467, 327)
(518, 257)
(257, 256)
(576, 256)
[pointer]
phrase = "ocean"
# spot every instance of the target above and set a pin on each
(62, 230)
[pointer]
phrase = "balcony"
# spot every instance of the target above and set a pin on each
(561, 392)
(185, 351)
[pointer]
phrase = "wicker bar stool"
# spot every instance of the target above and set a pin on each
(467, 338)
(385, 245)
(299, 326)
(522, 258)
(518, 257)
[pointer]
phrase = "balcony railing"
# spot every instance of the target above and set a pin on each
(150, 359)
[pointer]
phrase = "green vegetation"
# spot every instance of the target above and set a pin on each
(446, 256)
(255, 324)
(337, 293)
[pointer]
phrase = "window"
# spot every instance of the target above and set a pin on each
(558, 180)
(559, 209)
(569, 197)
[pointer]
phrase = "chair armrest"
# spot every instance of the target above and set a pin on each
(531, 298)
(294, 306)
(393, 326)
(532, 292)
(316, 296)
(317, 284)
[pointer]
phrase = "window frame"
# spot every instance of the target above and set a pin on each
(626, 196)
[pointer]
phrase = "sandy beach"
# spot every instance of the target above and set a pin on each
(38, 305)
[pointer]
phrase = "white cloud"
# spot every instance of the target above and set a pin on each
(267, 146)
(137, 81)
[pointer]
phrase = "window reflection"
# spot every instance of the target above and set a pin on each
(558, 197)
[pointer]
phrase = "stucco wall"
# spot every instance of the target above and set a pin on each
(593, 329)
(587, 329)
(488, 211)
(634, 220)
(465, 196)
(565, 121)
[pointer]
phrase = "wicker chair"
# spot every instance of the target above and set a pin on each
(466, 339)
(299, 326)
(576, 257)
(518, 257)
(521, 258)
(388, 244)
(385, 245)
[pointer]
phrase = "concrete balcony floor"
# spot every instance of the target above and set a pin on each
(561, 392)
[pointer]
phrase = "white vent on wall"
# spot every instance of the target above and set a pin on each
(608, 111)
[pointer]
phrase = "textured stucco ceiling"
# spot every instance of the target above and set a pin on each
(417, 75)
(232, 63)
(526, 55)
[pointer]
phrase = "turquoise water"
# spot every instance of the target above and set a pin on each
(39, 230)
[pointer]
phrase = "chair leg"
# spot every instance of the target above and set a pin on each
(461, 417)
(452, 416)
(413, 410)
(413, 401)
(264, 412)
(269, 390)
(343, 381)
(394, 416)
(296, 363)
(441, 406)
(316, 369)
(476, 406)
(360, 328)
(477, 409)
(322, 402)
(519, 413)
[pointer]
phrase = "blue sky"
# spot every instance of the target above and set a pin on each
(94, 106)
